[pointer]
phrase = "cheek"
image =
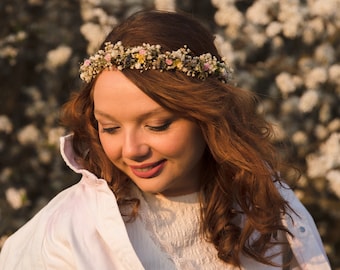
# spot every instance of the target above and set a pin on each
(110, 148)
(184, 143)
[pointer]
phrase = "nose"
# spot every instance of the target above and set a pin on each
(135, 146)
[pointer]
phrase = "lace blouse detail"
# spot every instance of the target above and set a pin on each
(172, 225)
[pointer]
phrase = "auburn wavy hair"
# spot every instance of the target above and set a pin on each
(241, 164)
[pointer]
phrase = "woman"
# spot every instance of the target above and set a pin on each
(178, 169)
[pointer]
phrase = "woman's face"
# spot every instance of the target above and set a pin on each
(159, 151)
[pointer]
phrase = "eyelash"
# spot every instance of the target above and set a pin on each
(111, 130)
(161, 127)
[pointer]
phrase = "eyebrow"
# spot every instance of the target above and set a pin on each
(142, 116)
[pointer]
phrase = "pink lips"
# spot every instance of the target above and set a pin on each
(148, 170)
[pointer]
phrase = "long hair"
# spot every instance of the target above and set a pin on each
(241, 164)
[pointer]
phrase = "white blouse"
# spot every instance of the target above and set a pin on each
(166, 235)
(81, 228)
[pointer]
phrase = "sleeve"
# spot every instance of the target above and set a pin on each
(306, 244)
(26, 248)
(72, 232)
(22, 250)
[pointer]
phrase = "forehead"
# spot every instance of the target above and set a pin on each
(115, 94)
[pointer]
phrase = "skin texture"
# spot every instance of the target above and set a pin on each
(160, 152)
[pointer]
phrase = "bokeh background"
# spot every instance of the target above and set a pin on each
(287, 51)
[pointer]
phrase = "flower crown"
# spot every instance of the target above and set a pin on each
(148, 57)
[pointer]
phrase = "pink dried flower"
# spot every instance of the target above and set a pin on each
(107, 57)
(168, 62)
(142, 52)
(87, 62)
(206, 66)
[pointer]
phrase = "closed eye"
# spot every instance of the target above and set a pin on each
(160, 128)
(110, 130)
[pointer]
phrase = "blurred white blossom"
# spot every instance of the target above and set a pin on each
(16, 197)
(231, 17)
(54, 135)
(92, 11)
(35, 2)
(324, 8)
(325, 54)
(316, 25)
(291, 16)
(8, 52)
(37, 106)
(325, 112)
(333, 178)
(258, 12)
(94, 34)
(225, 49)
(308, 36)
(5, 174)
(300, 138)
(168, 5)
(308, 101)
(45, 155)
(9, 48)
(305, 64)
(334, 125)
(290, 105)
(277, 43)
(332, 29)
(316, 77)
(97, 22)
(14, 37)
(92, 2)
(103, 18)
(334, 73)
(33, 92)
(285, 83)
(58, 57)
(258, 39)
(313, 30)
(273, 29)
(327, 158)
(28, 135)
(5, 124)
(246, 79)
(321, 132)
(291, 28)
